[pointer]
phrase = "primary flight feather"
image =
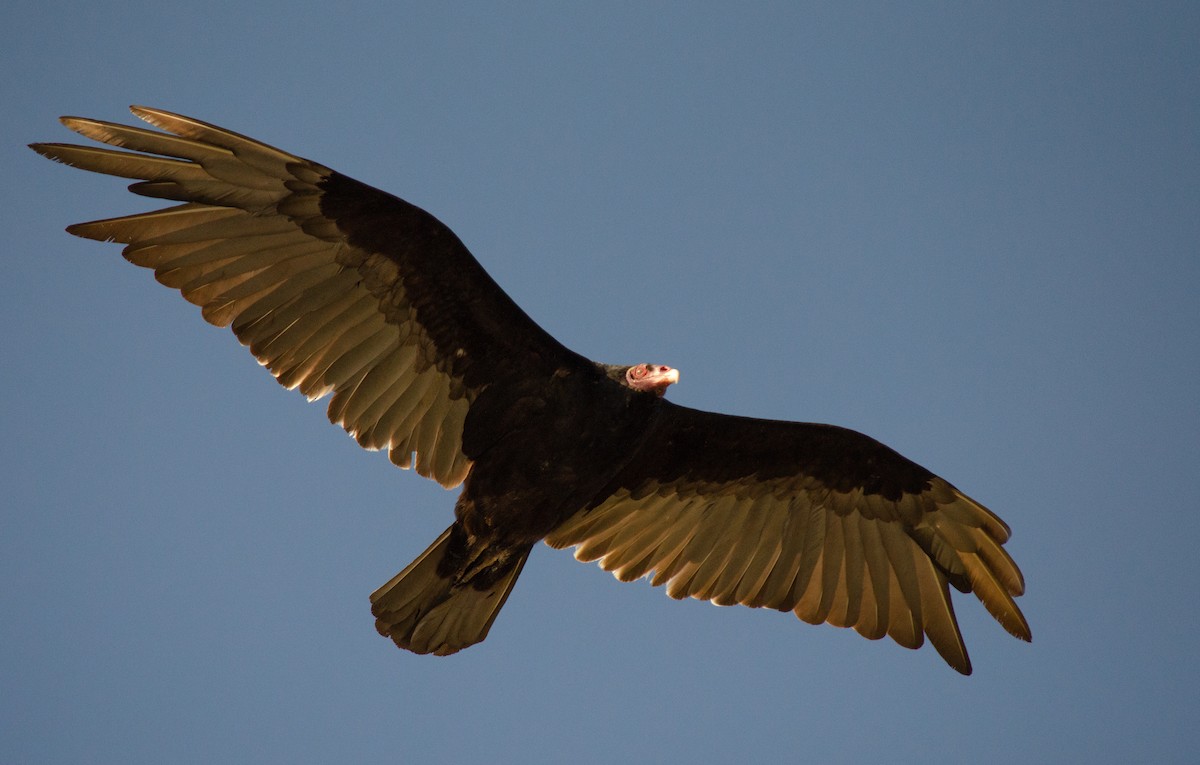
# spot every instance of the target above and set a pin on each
(343, 290)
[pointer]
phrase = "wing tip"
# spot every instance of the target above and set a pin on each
(78, 124)
(146, 113)
(89, 230)
(952, 649)
(53, 151)
(1020, 629)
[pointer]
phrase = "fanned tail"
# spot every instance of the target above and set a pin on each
(432, 607)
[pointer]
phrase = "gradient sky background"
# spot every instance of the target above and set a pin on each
(970, 230)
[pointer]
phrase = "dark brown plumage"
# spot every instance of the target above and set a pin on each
(341, 289)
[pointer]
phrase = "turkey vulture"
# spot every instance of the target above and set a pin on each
(339, 288)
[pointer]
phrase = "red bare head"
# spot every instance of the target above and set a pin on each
(653, 378)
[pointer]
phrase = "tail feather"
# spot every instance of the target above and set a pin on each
(425, 610)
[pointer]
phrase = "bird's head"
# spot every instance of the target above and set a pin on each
(649, 378)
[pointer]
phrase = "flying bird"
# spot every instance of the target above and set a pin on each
(340, 289)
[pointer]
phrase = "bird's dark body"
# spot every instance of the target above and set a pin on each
(339, 288)
(539, 458)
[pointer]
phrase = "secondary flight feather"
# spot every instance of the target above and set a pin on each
(343, 290)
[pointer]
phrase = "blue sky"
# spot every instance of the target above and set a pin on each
(969, 230)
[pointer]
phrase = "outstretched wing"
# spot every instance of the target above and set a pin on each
(814, 519)
(336, 287)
